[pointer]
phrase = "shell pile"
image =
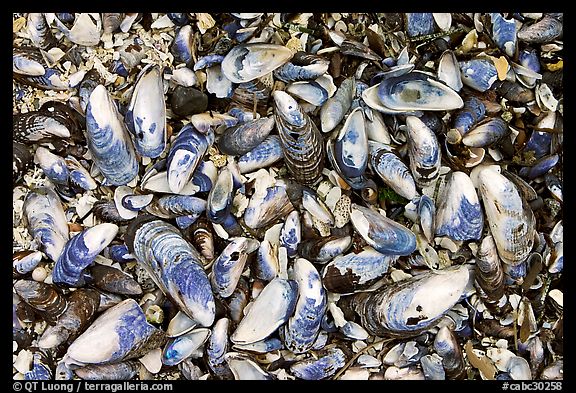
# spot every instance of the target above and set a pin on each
(287, 196)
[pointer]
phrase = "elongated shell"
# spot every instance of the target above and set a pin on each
(351, 146)
(417, 91)
(120, 333)
(424, 151)
(291, 233)
(122, 371)
(217, 348)
(385, 235)
(504, 33)
(82, 306)
(449, 70)
(347, 273)
(185, 154)
(486, 133)
(328, 362)
(479, 74)
(174, 265)
(108, 140)
(21, 160)
(459, 214)
(36, 126)
(392, 170)
(302, 143)
(268, 152)
(146, 115)
(244, 368)
(39, 32)
(80, 251)
(46, 221)
(246, 62)
(545, 30)
(447, 346)
(410, 306)
(230, 263)
(323, 249)
(43, 298)
(510, 218)
(489, 272)
(302, 328)
(271, 309)
(179, 348)
(334, 109)
(266, 206)
(242, 138)
(110, 279)
(53, 166)
(473, 111)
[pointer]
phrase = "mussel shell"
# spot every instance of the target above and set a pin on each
(545, 30)
(448, 70)
(242, 138)
(46, 221)
(302, 142)
(246, 62)
(37, 126)
(351, 145)
(122, 371)
(80, 251)
(309, 91)
(185, 154)
(423, 150)
(110, 279)
(39, 32)
(486, 133)
(179, 348)
(417, 91)
(271, 309)
(323, 249)
(217, 347)
(348, 273)
(489, 272)
(266, 207)
(27, 61)
(43, 298)
(146, 115)
(82, 307)
(419, 23)
(291, 233)
(478, 74)
(244, 368)
(447, 346)
(302, 328)
(410, 306)
(328, 362)
(473, 111)
(392, 170)
(509, 216)
(108, 140)
(385, 235)
(333, 110)
(229, 265)
(504, 33)
(118, 334)
(174, 265)
(459, 215)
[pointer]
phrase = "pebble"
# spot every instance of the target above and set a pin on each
(187, 101)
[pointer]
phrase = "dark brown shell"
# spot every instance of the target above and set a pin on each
(113, 280)
(82, 307)
(21, 160)
(43, 298)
